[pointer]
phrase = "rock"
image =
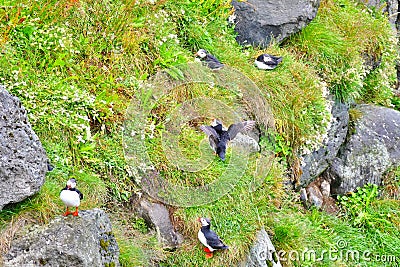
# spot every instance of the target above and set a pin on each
(262, 253)
(317, 194)
(156, 216)
(319, 160)
(86, 240)
(325, 188)
(303, 196)
(371, 149)
(23, 161)
(259, 21)
(247, 142)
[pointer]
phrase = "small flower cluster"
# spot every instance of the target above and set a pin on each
(44, 37)
(321, 111)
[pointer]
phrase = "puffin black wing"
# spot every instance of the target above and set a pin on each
(269, 59)
(213, 62)
(277, 59)
(213, 240)
(234, 129)
(213, 136)
(209, 130)
(79, 193)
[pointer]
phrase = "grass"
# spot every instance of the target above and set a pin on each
(76, 65)
(343, 36)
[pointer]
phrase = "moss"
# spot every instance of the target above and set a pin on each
(42, 261)
(354, 116)
(104, 244)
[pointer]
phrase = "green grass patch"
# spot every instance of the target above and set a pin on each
(353, 50)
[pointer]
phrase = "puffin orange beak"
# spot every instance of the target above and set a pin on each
(198, 219)
(196, 54)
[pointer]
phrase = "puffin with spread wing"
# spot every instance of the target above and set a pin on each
(219, 138)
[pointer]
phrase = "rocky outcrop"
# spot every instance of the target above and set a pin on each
(262, 253)
(156, 216)
(319, 160)
(86, 240)
(257, 22)
(372, 148)
(23, 161)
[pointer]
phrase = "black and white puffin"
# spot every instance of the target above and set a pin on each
(71, 197)
(209, 238)
(267, 62)
(209, 60)
(219, 138)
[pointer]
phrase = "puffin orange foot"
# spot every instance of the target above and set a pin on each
(67, 213)
(209, 255)
(206, 249)
(75, 213)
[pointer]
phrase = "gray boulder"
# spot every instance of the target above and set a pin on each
(246, 142)
(258, 21)
(157, 216)
(86, 240)
(371, 149)
(319, 160)
(23, 161)
(262, 253)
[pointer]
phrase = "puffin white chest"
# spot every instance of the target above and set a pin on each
(263, 66)
(70, 198)
(203, 240)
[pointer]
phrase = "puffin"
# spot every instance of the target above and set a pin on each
(219, 138)
(209, 238)
(71, 197)
(267, 62)
(209, 60)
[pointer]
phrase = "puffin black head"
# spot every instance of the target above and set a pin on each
(204, 221)
(71, 183)
(202, 53)
(260, 58)
(221, 150)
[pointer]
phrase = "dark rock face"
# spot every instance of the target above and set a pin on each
(319, 160)
(372, 149)
(23, 161)
(156, 216)
(86, 240)
(258, 21)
